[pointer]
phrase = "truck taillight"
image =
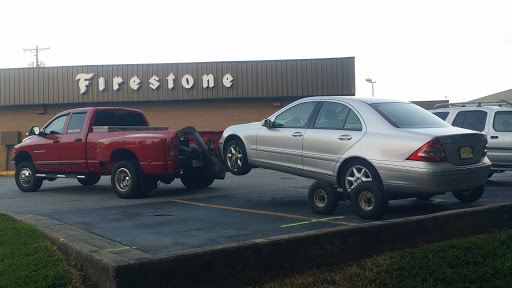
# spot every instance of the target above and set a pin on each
(433, 151)
(174, 146)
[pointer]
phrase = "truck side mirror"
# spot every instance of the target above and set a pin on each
(33, 130)
(266, 123)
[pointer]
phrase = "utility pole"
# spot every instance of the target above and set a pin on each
(36, 51)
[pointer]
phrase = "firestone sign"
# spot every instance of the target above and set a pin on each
(187, 81)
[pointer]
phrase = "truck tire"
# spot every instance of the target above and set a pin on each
(235, 156)
(195, 178)
(125, 180)
(26, 179)
(323, 197)
(90, 179)
(369, 200)
(470, 195)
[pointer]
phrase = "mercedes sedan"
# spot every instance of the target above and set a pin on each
(368, 150)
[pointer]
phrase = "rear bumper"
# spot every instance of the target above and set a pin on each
(445, 178)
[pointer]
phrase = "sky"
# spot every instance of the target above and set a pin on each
(413, 50)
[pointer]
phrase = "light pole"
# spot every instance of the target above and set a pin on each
(369, 80)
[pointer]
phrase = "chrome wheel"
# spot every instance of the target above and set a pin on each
(234, 158)
(320, 198)
(123, 179)
(26, 177)
(366, 201)
(356, 175)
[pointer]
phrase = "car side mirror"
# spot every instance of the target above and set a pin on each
(266, 123)
(33, 130)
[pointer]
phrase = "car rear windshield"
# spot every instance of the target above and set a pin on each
(408, 115)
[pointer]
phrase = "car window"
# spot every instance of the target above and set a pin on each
(503, 121)
(76, 122)
(56, 126)
(296, 116)
(442, 115)
(334, 115)
(353, 122)
(119, 118)
(408, 115)
(472, 120)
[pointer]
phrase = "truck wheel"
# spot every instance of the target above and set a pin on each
(470, 195)
(125, 180)
(368, 200)
(90, 179)
(236, 158)
(26, 179)
(323, 198)
(195, 178)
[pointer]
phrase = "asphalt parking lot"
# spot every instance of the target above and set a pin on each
(260, 205)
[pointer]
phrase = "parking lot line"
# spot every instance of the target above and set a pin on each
(307, 222)
(266, 212)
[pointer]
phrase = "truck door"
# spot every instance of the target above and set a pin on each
(73, 144)
(46, 156)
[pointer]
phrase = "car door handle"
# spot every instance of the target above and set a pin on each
(345, 137)
(56, 141)
(78, 140)
(297, 134)
(494, 137)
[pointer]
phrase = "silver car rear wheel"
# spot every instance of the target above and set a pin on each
(355, 175)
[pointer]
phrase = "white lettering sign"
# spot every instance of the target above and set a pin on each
(187, 81)
(83, 82)
(227, 80)
(154, 82)
(116, 82)
(170, 81)
(135, 83)
(102, 84)
(208, 81)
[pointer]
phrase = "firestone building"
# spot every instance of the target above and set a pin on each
(210, 96)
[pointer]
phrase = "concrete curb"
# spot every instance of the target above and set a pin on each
(6, 173)
(239, 264)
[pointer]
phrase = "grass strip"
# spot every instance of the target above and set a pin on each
(480, 261)
(28, 259)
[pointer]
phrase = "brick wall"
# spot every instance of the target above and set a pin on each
(213, 115)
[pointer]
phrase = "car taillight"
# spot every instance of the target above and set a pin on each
(431, 152)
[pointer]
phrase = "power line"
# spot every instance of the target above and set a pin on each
(36, 51)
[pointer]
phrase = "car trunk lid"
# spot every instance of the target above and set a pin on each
(464, 149)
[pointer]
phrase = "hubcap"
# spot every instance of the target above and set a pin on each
(320, 198)
(26, 177)
(356, 175)
(366, 201)
(234, 157)
(123, 179)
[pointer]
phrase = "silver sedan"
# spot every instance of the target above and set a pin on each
(395, 148)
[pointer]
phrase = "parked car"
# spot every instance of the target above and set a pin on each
(400, 149)
(489, 117)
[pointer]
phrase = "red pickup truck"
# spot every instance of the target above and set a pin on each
(87, 143)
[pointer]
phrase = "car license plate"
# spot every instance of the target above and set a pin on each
(466, 153)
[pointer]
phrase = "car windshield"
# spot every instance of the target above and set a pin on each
(408, 115)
